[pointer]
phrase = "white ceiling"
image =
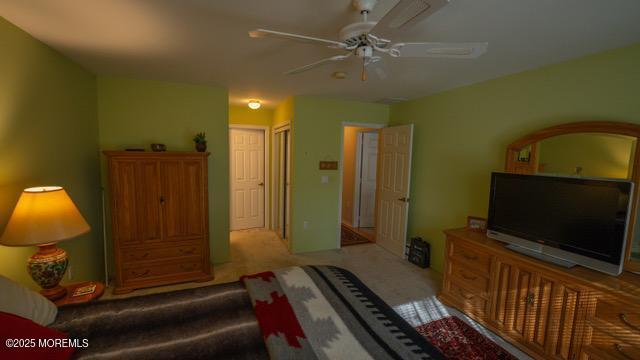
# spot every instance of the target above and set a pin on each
(205, 41)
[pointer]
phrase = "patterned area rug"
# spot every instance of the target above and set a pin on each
(457, 340)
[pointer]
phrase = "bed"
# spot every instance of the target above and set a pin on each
(310, 312)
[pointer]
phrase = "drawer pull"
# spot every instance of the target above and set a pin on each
(624, 319)
(620, 349)
(137, 274)
(187, 252)
(469, 257)
(467, 277)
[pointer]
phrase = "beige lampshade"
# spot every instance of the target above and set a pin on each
(43, 215)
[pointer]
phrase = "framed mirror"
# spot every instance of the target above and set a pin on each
(585, 149)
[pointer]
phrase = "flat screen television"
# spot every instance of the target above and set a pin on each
(566, 220)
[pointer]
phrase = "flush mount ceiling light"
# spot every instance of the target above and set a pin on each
(254, 104)
(339, 75)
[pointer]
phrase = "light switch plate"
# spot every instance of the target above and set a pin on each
(324, 179)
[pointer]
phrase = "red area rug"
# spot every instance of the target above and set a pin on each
(457, 340)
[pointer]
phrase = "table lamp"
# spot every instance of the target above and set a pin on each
(43, 217)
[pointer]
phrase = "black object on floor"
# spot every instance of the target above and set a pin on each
(419, 252)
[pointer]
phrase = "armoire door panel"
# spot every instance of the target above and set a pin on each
(125, 213)
(193, 198)
(149, 205)
(172, 199)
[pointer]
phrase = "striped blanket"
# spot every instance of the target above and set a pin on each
(324, 312)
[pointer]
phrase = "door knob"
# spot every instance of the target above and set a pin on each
(261, 184)
(404, 199)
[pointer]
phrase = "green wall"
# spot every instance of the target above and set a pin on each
(242, 115)
(136, 113)
(316, 136)
(461, 135)
(284, 112)
(48, 136)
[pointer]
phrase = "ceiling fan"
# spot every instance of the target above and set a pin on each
(368, 41)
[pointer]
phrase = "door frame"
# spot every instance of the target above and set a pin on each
(267, 171)
(341, 168)
(275, 158)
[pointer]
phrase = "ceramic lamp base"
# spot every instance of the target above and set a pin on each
(47, 267)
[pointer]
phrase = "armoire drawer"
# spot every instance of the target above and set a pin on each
(142, 272)
(479, 261)
(156, 253)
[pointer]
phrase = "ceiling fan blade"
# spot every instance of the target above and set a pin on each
(440, 50)
(260, 33)
(316, 64)
(407, 13)
(379, 68)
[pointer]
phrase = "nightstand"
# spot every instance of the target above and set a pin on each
(69, 299)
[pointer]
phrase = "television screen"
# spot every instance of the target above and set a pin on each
(583, 216)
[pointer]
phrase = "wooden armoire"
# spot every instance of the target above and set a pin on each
(159, 218)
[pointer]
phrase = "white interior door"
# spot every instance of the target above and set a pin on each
(367, 210)
(247, 178)
(393, 187)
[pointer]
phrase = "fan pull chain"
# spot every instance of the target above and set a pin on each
(363, 77)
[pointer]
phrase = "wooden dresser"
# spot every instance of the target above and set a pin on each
(548, 311)
(159, 218)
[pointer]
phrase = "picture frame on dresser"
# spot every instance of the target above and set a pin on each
(476, 224)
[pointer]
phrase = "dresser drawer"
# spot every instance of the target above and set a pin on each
(157, 253)
(466, 275)
(477, 260)
(626, 317)
(142, 272)
(604, 345)
(470, 300)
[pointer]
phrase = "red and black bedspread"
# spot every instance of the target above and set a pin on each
(315, 312)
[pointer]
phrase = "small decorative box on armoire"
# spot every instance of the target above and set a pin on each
(159, 218)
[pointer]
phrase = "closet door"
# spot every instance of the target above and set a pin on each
(149, 208)
(172, 200)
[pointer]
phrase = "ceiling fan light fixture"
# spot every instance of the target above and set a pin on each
(254, 104)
